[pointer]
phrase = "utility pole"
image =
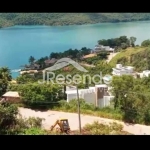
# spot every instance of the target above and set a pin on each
(79, 117)
(147, 63)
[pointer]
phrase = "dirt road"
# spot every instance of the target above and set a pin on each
(51, 116)
(111, 56)
(87, 65)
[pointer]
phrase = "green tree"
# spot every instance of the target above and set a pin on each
(53, 19)
(12, 123)
(5, 77)
(132, 98)
(39, 94)
(5, 73)
(121, 86)
(145, 43)
(86, 82)
(123, 39)
(25, 78)
(124, 45)
(85, 51)
(103, 55)
(103, 42)
(132, 41)
(7, 117)
(122, 42)
(41, 62)
(54, 55)
(31, 60)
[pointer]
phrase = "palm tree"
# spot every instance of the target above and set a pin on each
(31, 60)
(5, 73)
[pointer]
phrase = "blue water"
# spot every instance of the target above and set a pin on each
(18, 43)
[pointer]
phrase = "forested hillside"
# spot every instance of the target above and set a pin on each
(139, 57)
(9, 19)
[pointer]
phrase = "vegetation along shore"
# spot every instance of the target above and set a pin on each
(61, 19)
(131, 95)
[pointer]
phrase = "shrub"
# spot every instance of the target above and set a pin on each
(13, 123)
(100, 129)
(89, 109)
(34, 131)
(8, 115)
(72, 105)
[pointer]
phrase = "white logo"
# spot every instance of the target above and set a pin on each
(50, 76)
(107, 79)
(65, 62)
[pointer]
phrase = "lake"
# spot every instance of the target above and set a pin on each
(18, 43)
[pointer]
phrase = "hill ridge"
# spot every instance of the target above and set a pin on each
(56, 19)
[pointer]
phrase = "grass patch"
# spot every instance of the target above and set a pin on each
(34, 131)
(100, 129)
(89, 109)
(126, 54)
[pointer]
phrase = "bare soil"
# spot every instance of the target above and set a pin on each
(51, 116)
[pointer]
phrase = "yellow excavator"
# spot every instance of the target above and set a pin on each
(63, 126)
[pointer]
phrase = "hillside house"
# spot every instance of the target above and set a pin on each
(11, 96)
(99, 48)
(35, 67)
(32, 67)
(70, 88)
(86, 94)
(50, 62)
(89, 56)
(98, 95)
(145, 73)
(31, 72)
(120, 70)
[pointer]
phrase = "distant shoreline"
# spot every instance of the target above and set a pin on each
(3, 27)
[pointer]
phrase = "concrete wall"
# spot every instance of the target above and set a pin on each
(12, 99)
(89, 96)
(97, 95)
(72, 96)
(105, 101)
(144, 74)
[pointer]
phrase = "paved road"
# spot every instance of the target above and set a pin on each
(51, 116)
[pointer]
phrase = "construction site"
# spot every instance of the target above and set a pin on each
(67, 123)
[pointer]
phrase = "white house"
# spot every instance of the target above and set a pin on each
(145, 73)
(104, 96)
(99, 48)
(11, 96)
(107, 101)
(98, 95)
(120, 70)
(87, 94)
(70, 88)
(72, 94)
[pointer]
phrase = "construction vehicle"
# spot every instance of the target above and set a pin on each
(63, 126)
